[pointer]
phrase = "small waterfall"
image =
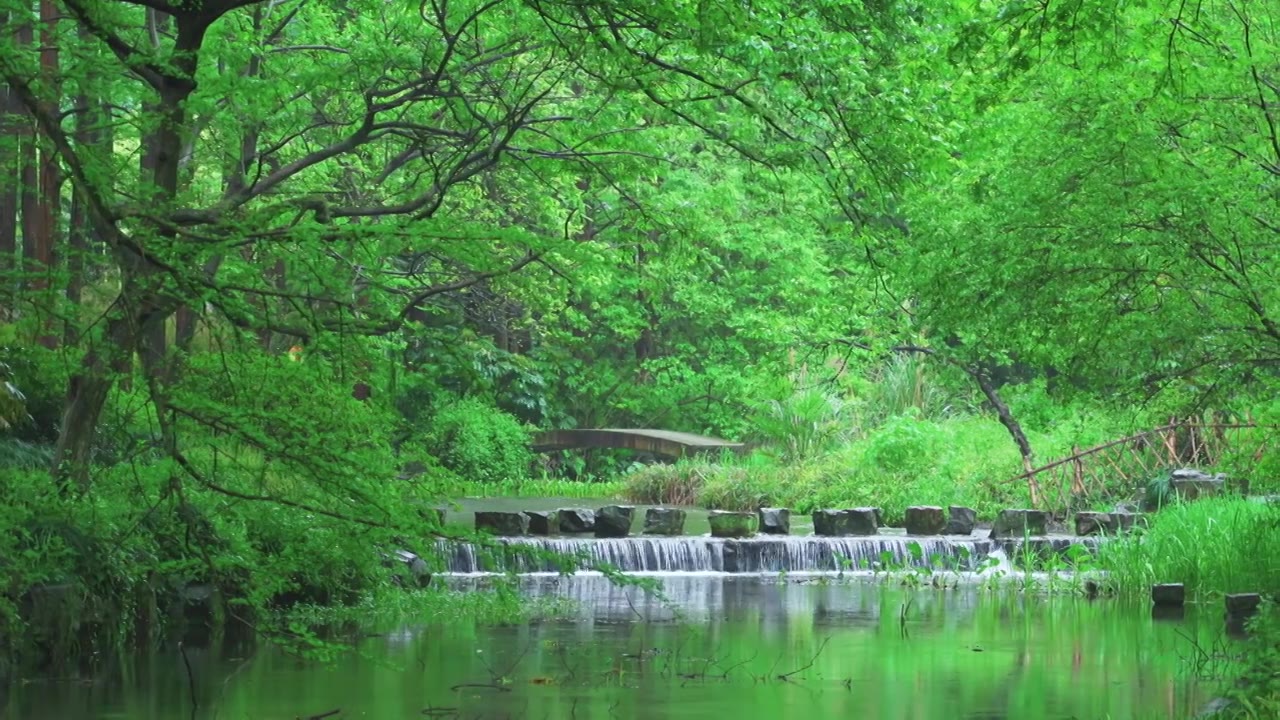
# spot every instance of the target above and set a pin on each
(1039, 553)
(707, 554)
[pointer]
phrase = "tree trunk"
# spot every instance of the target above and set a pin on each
(86, 396)
(11, 119)
(1012, 425)
(155, 343)
(85, 231)
(44, 196)
(142, 309)
(25, 154)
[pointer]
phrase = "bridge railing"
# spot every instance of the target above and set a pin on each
(1125, 465)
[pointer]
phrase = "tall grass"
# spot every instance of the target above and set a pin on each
(1212, 546)
(962, 461)
(809, 422)
(910, 383)
(537, 487)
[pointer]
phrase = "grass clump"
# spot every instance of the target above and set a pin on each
(1212, 546)
(537, 487)
(907, 461)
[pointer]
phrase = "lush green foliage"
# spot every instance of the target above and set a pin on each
(1256, 694)
(479, 442)
(1212, 546)
(886, 461)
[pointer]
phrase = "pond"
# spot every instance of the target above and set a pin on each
(723, 646)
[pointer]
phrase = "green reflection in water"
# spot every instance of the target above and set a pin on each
(964, 654)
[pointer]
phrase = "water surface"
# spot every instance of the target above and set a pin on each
(735, 647)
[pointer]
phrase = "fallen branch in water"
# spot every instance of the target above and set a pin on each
(191, 680)
(486, 686)
(786, 677)
(322, 715)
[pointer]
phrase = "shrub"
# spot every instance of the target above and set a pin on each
(804, 425)
(33, 382)
(479, 442)
(1256, 694)
(910, 383)
(678, 484)
(905, 444)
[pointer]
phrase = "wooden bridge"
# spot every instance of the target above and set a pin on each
(664, 443)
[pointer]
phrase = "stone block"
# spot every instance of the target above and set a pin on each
(1243, 605)
(664, 521)
(1192, 484)
(432, 516)
(924, 520)
(728, 524)
(774, 521)
(960, 520)
(614, 521)
(851, 521)
(1168, 595)
(1126, 521)
(576, 520)
(505, 524)
(543, 522)
(1019, 522)
(1096, 523)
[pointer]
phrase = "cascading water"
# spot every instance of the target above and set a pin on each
(707, 554)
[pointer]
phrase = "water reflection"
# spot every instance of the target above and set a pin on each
(724, 646)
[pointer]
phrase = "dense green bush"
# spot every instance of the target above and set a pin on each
(805, 424)
(905, 444)
(1212, 546)
(479, 442)
(32, 386)
(963, 460)
(1256, 694)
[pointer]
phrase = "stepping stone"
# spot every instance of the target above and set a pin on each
(1243, 605)
(543, 522)
(1192, 484)
(504, 524)
(851, 521)
(432, 516)
(726, 524)
(1126, 521)
(924, 520)
(1096, 523)
(1168, 595)
(664, 521)
(576, 520)
(774, 521)
(1019, 522)
(960, 520)
(614, 521)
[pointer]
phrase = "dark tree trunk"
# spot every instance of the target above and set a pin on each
(41, 228)
(646, 344)
(1011, 424)
(14, 133)
(11, 138)
(144, 305)
(28, 199)
(155, 342)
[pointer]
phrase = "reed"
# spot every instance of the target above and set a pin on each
(1212, 546)
(539, 487)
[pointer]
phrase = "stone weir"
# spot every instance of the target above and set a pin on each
(763, 554)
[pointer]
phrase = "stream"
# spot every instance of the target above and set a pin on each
(723, 646)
